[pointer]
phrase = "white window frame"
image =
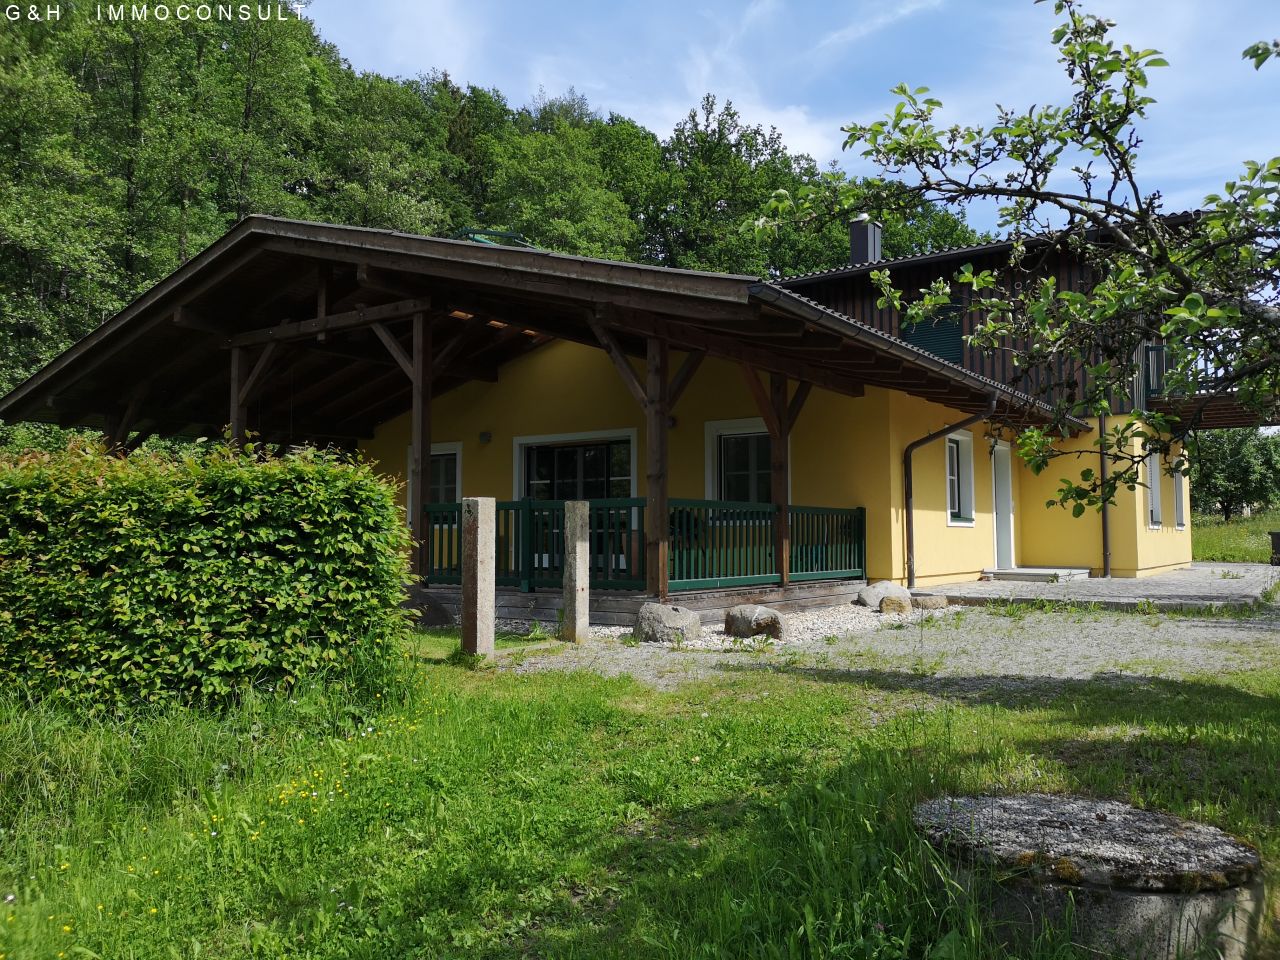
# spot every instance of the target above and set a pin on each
(1179, 498)
(1155, 504)
(519, 443)
(962, 442)
(712, 432)
(454, 447)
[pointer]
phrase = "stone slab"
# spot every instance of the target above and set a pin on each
(1122, 882)
(1080, 840)
(1200, 586)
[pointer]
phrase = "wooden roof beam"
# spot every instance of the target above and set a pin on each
(351, 320)
(590, 286)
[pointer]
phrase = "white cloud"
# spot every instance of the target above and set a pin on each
(865, 26)
(406, 37)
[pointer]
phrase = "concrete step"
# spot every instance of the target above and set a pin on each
(1039, 574)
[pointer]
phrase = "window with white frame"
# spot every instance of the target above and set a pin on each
(444, 475)
(585, 470)
(737, 462)
(1179, 496)
(744, 467)
(1154, 511)
(960, 479)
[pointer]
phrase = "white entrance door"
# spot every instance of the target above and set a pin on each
(1002, 481)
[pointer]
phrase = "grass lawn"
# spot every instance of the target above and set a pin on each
(490, 814)
(1243, 539)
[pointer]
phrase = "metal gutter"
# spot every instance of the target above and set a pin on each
(907, 494)
(1104, 466)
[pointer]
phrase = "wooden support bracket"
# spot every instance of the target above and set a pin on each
(393, 347)
(763, 402)
(620, 361)
(253, 382)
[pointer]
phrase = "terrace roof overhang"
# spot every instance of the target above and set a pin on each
(320, 315)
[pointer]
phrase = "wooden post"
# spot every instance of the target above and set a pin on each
(419, 489)
(577, 571)
(780, 476)
(236, 418)
(478, 563)
(656, 519)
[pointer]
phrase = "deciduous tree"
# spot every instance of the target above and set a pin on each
(1067, 180)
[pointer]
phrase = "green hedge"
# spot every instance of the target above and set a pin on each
(162, 577)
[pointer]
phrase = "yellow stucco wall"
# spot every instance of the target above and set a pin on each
(944, 551)
(844, 452)
(1052, 537)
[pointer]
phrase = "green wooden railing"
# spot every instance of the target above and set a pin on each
(529, 544)
(713, 543)
(617, 543)
(442, 543)
(719, 543)
(828, 543)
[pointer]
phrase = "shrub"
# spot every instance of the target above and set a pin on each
(189, 577)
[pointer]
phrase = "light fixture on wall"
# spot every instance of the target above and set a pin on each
(485, 436)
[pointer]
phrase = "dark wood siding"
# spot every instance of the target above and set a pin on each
(856, 296)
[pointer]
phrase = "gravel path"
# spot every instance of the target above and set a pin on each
(957, 643)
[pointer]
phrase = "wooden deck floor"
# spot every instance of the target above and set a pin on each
(618, 609)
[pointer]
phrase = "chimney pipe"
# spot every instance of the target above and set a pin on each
(864, 241)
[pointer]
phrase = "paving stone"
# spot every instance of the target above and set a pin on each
(1202, 585)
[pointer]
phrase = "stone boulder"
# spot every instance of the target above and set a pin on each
(751, 620)
(430, 612)
(895, 604)
(873, 593)
(667, 623)
(929, 601)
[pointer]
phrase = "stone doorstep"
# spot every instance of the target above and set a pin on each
(1038, 574)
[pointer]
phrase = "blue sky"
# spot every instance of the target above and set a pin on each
(809, 67)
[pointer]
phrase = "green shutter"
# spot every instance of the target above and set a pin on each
(942, 336)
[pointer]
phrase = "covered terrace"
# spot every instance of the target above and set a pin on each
(313, 333)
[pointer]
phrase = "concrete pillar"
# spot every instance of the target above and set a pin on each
(577, 571)
(478, 601)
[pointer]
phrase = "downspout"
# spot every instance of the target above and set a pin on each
(1104, 466)
(906, 479)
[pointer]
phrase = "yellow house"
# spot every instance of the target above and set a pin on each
(729, 432)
